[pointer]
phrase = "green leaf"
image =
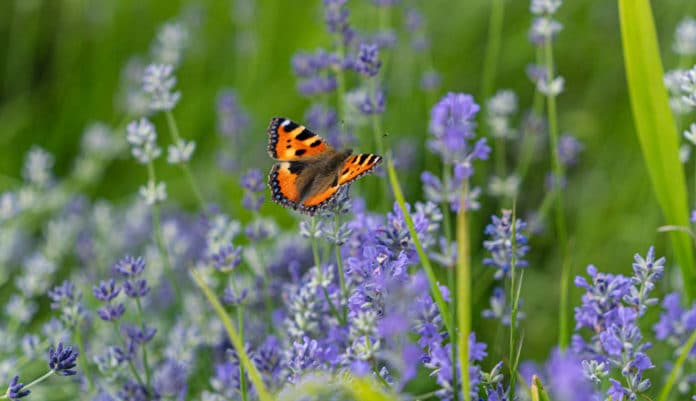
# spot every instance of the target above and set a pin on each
(538, 391)
(655, 126)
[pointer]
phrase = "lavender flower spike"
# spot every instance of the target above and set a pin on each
(62, 360)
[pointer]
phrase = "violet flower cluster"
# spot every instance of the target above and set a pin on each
(611, 308)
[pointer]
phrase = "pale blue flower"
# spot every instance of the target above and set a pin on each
(153, 192)
(180, 152)
(685, 37)
(158, 84)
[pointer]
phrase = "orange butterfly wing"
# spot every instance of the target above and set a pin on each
(356, 166)
(284, 190)
(289, 141)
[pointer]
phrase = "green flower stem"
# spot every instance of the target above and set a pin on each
(490, 65)
(515, 290)
(130, 361)
(39, 380)
(81, 356)
(464, 292)
(148, 372)
(451, 282)
(266, 290)
(174, 131)
(340, 84)
(159, 240)
(432, 279)
(235, 338)
(242, 374)
(317, 263)
(341, 278)
(376, 121)
(528, 138)
(677, 368)
(563, 328)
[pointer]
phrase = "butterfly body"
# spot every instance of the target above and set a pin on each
(310, 172)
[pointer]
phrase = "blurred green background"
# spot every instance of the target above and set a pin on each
(61, 69)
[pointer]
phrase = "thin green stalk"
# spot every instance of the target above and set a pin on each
(266, 291)
(81, 356)
(528, 138)
(514, 298)
(563, 329)
(317, 263)
(174, 131)
(464, 292)
(148, 372)
(157, 227)
(490, 65)
(236, 340)
(130, 361)
(242, 374)
(490, 61)
(340, 84)
(677, 368)
(447, 226)
(432, 279)
(341, 274)
(376, 121)
(37, 381)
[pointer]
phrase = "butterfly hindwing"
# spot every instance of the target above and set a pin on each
(288, 141)
(287, 188)
(283, 183)
(356, 166)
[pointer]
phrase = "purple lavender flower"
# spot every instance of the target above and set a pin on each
(676, 323)
(106, 292)
(500, 244)
(368, 63)
(610, 308)
(16, 390)
(451, 123)
(336, 18)
(170, 380)
(317, 85)
(233, 297)
(227, 258)
(136, 288)
(231, 116)
(562, 374)
(63, 360)
(569, 148)
(130, 266)
(253, 183)
(68, 301)
(133, 391)
(430, 81)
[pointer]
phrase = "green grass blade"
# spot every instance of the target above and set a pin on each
(677, 368)
(655, 126)
(234, 336)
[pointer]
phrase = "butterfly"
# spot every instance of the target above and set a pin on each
(310, 172)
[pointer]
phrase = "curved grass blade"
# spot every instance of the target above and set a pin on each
(655, 126)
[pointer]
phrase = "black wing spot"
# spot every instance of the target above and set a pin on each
(300, 152)
(346, 171)
(305, 134)
(335, 182)
(291, 125)
(288, 147)
(315, 143)
(362, 159)
(296, 167)
(373, 159)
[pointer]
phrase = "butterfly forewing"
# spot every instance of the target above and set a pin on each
(291, 141)
(358, 165)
